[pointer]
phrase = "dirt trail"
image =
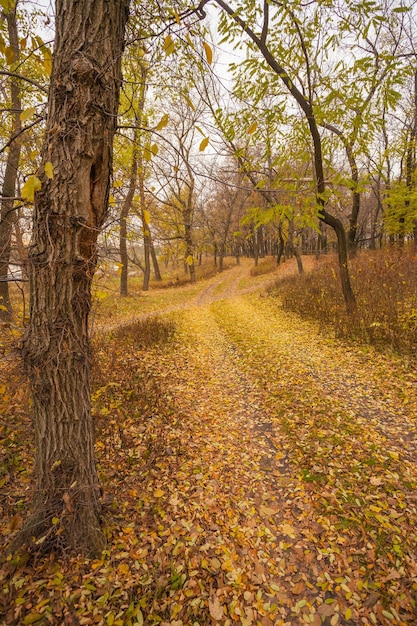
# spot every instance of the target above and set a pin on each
(300, 465)
(255, 472)
(238, 281)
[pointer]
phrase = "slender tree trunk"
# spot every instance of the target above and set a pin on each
(299, 260)
(124, 214)
(260, 242)
(411, 175)
(281, 245)
(8, 215)
(69, 212)
(188, 236)
(145, 226)
(330, 220)
(156, 270)
(255, 246)
(20, 245)
(306, 105)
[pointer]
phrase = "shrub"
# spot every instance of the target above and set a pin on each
(385, 284)
(265, 266)
(146, 332)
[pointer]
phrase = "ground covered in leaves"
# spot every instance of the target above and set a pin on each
(254, 472)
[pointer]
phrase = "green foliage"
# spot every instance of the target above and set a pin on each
(400, 209)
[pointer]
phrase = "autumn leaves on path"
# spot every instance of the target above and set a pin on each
(288, 489)
(254, 472)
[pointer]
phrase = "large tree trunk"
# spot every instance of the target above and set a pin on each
(8, 212)
(69, 212)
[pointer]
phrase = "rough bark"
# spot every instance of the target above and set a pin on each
(69, 212)
(8, 213)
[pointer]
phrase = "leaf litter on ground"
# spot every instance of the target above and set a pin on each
(254, 473)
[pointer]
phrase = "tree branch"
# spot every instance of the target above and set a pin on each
(28, 80)
(16, 135)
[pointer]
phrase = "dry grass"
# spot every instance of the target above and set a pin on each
(265, 266)
(385, 284)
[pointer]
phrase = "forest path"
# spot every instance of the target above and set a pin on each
(254, 471)
(297, 472)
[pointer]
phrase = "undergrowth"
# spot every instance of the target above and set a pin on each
(146, 332)
(385, 285)
(265, 266)
(178, 278)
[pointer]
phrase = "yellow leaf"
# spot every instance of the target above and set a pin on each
(375, 509)
(204, 144)
(117, 184)
(163, 122)
(146, 217)
(266, 511)
(188, 101)
(209, 53)
(158, 493)
(123, 568)
(169, 45)
(189, 260)
(47, 60)
(49, 170)
(348, 613)
(30, 187)
(147, 152)
(177, 18)
(154, 149)
(27, 114)
(32, 618)
(215, 608)
(252, 128)
(289, 530)
(9, 52)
